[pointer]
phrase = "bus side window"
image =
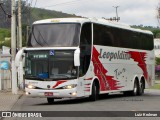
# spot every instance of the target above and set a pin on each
(103, 35)
(107, 39)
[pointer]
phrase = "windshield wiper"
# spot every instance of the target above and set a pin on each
(36, 39)
(42, 38)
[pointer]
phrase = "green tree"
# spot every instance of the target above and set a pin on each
(157, 61)
(158, 13)
(4, 33)
(156, 33)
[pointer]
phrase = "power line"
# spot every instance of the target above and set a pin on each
(8, 15)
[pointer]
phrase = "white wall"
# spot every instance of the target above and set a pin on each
(157, 47)
(5, 80)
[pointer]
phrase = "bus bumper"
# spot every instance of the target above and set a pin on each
(60, 93)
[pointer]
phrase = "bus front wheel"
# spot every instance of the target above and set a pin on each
(50, 100)
(95, 93)
(135, 89)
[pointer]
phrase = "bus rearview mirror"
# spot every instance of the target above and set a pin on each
(19, 57)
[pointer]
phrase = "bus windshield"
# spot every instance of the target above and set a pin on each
(50, 65)
(54, 35)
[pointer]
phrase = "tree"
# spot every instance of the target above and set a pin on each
(156, 33)
(4, 33)
(158, 13)
(5, 22)
(157, 61)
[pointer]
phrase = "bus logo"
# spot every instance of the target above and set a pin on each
(48, 86)
(51, 52)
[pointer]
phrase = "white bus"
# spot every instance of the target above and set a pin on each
(81, 57)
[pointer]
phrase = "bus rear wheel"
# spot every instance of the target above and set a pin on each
(50, 100)
(141, 88)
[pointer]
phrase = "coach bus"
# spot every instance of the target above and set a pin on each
(82, 57)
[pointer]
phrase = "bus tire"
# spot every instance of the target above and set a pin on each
(50, 100)
(135, 90)
(141, 88)
(95, 93)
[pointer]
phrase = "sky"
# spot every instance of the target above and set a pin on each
(132, 12)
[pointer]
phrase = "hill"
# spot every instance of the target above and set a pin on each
(38, 14)
(29, 14)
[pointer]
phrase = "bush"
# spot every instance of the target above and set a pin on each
(4, 33)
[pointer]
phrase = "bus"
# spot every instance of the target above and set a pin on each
(84, 57)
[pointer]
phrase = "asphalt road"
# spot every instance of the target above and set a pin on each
(150, 101)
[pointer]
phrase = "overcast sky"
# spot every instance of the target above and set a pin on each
(132, 12)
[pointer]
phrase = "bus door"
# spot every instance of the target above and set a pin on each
(85, 56)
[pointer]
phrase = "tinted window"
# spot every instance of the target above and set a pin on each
(117, 37)
(103, 35)
(54, 35)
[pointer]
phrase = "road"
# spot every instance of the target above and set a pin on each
(150, 101)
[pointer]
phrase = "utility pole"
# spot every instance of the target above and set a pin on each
(13, 48)
(116, 7)
(20, 23)
(20, 69)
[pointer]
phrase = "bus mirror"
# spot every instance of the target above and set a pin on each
(19, 57)
(77, 57)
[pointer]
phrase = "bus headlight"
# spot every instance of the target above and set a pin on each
(30, 86)
(69, 86)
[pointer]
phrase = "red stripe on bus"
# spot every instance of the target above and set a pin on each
(58, 83)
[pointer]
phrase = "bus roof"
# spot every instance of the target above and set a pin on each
(92, 20)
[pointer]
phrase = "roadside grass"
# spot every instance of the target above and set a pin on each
(155, 86)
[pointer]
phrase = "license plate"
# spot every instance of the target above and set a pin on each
(48, 93)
